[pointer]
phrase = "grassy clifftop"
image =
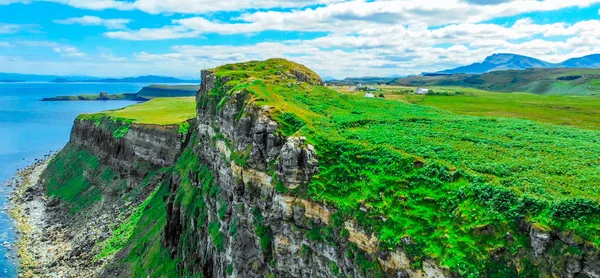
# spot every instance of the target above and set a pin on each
(160, 111)
(453, 188)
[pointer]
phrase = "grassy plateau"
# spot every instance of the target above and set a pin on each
(160, 111)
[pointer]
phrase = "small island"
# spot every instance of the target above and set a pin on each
(146, 93)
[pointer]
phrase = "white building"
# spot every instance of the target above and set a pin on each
(422, 91)
(369, 95)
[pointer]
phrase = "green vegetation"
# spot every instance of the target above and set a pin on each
(144, 254)
(456, 185)
(537, 81)
(575, 111)
(84, 175)
(120, 235)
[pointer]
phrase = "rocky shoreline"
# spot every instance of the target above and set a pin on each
(43, 237)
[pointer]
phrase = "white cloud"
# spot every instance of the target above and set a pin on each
(5, 44)
(63, 50)
(110, 57)
(181, 6)
(6, 28)
(68, 51)
(383, 37)
(116, 23)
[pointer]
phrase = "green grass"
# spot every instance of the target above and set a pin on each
(77, 177)
(122, 234)
(145, 256)
(436, 176)
(160, 111)
(574, 111)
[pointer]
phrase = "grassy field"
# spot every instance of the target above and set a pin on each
(574, 111)
(537, 81)
(436, 177)
(160, 111)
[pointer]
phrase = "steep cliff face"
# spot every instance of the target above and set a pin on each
(251, 227)
(93, 185)
(157, 145)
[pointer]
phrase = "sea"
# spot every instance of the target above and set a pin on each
(31, 128)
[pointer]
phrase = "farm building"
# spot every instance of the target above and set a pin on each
(421, 91)
(369, 95)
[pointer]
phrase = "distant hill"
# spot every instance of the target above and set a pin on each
(11, 77)
(139, 79)
(559, 81)
(146, 93)
(150, 79)
(361, 80)
(590, 61)
(506, 61)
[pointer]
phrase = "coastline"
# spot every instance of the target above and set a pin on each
(49, 242)
(27, 208)
(43, 241)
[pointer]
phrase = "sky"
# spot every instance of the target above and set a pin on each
(336, 38)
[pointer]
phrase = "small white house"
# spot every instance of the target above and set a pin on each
(352, 89)
(369, 95)
(422, 91)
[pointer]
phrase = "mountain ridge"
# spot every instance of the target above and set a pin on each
(509, 61)
(21, 77)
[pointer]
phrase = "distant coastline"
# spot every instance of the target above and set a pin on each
(146, 93)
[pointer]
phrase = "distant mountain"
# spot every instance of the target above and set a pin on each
(362, 80)
(139, 79)
(590, 61)
(507, 61)
(150, 79)
(501, 62)
(10, 77)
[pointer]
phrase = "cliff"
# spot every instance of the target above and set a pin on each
(278, 176)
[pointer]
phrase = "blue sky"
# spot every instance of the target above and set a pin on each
(336, 38)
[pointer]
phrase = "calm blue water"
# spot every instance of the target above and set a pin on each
(30, 128)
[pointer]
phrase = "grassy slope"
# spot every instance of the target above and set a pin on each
(538, 81)
(575, 111)
(436, 177)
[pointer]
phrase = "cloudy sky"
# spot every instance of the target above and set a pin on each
(336, 38)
